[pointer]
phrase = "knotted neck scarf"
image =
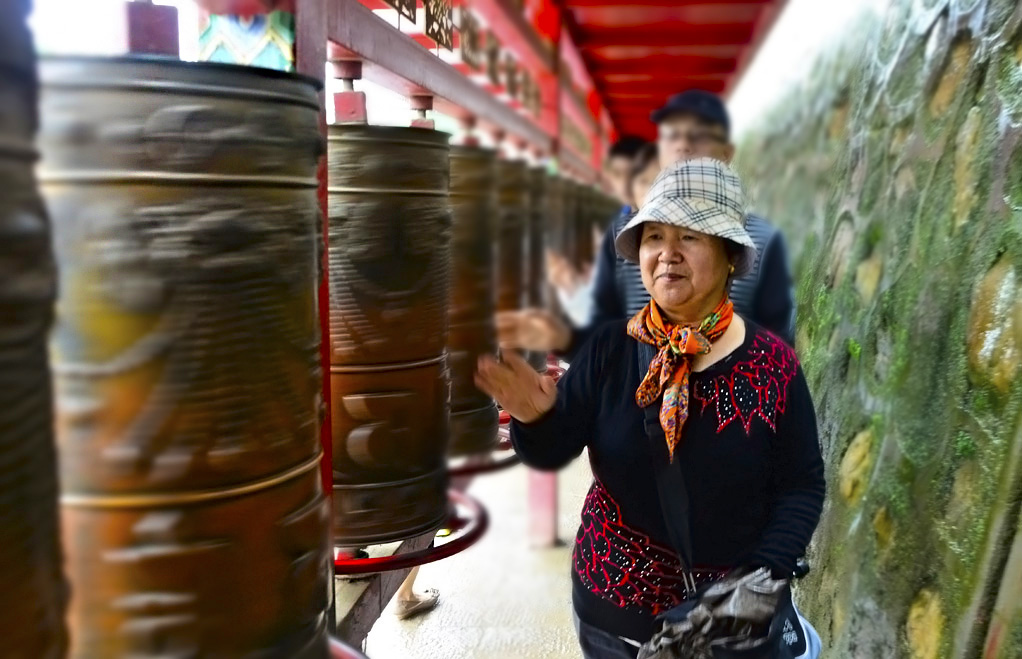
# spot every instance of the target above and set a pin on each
(677, 346)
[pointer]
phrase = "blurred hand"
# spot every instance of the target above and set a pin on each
(532, 329)
(517, 387)
(560, 273)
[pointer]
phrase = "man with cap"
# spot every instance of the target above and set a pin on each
(693, 124)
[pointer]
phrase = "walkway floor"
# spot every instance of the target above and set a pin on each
(500, 599)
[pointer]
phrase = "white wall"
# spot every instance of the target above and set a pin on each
(803, 30)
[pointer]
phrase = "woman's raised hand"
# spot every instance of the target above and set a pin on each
(516, 386)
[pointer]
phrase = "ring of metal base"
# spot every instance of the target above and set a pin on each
(478, 522)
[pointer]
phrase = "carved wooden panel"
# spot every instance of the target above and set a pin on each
(493, 67)
(471, 39)
(34, 594)
(404, 7)
(440, 22)
(511, 77)
(187, 357)
(390, 430)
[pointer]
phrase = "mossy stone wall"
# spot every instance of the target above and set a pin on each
(896, 173)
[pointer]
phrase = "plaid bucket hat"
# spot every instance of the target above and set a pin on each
(703, 195)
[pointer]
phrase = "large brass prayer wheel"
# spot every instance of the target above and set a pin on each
(474, 210)
(390, 283)
(539, 216)
(185, 214)
(33, 593)
(512, 237)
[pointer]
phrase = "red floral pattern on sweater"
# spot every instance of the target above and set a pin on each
(623, 565)
(757, 388)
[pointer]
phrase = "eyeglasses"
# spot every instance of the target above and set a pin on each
(693, 137)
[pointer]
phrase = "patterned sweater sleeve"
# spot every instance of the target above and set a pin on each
(798, 484)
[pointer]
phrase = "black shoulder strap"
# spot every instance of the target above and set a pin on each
(669, 480)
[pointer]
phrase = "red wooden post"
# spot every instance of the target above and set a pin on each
(151, 29)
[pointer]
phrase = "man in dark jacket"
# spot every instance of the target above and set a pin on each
(693, 124)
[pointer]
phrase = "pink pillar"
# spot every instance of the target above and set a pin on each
(543, 508)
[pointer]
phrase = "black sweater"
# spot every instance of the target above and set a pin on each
(749, 454)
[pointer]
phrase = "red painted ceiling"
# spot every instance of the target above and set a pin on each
(639, 52)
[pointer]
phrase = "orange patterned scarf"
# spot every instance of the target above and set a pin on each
(668, 372)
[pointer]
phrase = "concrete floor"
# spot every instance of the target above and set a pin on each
(499, 599)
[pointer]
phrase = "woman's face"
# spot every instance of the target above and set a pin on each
(684, 271)
(643, 182)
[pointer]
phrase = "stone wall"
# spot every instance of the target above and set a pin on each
(896, 172)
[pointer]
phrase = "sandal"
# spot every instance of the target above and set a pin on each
(426, 602)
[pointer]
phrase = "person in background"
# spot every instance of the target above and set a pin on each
(693, 124)
(573, 286)
(619, 166)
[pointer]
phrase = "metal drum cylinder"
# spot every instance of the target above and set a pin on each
(512, 237)
(586, 219)
(539, 216)
(33, 596)
(474, 210)
(185, 214)
(390, 283)
(571, 221)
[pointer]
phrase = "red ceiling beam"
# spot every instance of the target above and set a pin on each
(639, 4)
(664, 35)
(664, 65)
(618, 81)
(664, 88)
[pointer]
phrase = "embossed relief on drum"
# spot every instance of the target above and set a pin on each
(188, 382)
(472, 332)
(34, 594)
(390, 291)
(390, 254)
(390, 429)
(511, 236)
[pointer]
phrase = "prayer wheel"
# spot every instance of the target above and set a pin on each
(390, 293)
(186, 353)
(539, 213)
(474, 208)
(512, 237)
(571, 223)
(34, 593)
(586, 220)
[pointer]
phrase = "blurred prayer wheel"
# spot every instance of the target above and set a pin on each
(511, 239)
(390, 283)
(539, 212)
(185, 213)
(474, 208)
(586, 220)
(571, 223)
(34, 593)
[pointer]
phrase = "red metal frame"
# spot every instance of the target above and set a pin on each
(472, 531)
(339, 650)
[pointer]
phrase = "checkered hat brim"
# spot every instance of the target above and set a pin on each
(703, 195)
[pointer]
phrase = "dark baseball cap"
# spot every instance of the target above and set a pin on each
(705, 105)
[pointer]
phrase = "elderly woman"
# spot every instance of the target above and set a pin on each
(733, 405)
